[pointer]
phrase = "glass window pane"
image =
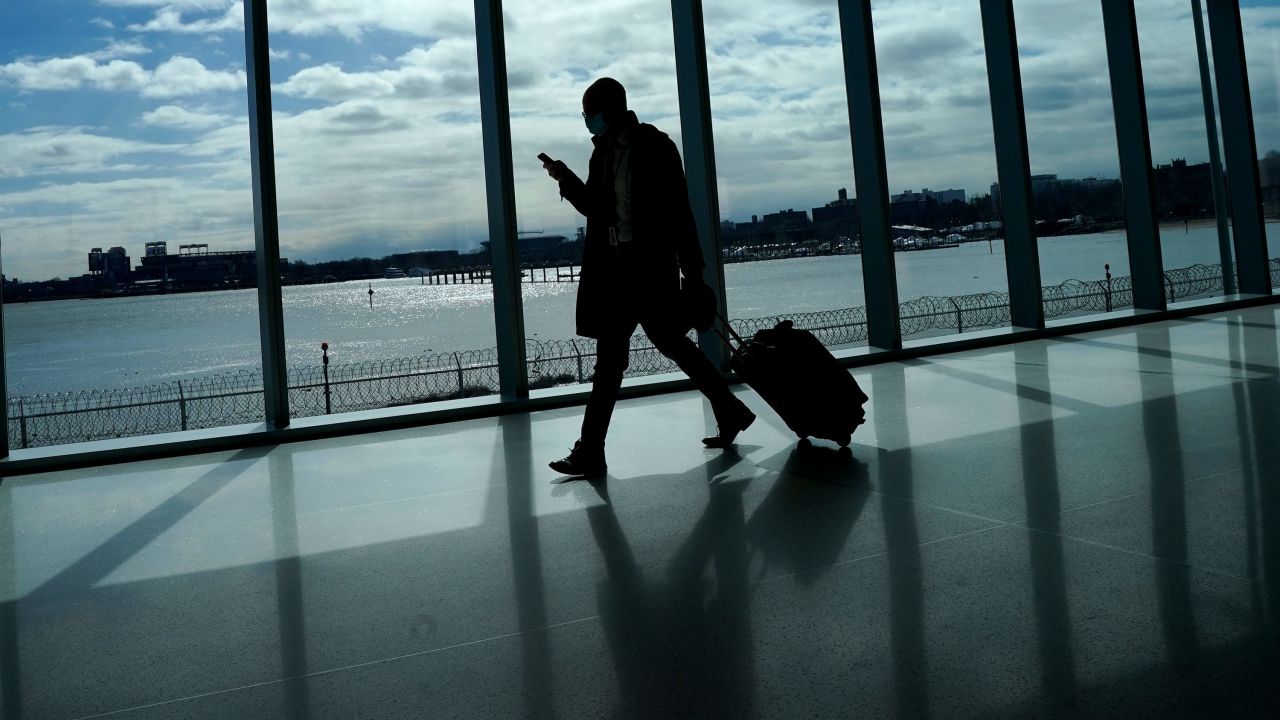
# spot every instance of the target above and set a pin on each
(1183, 177)
(554, 52)
(1260, 20)
(127, 222)
(1071, 136)
(941, 163)
(380, 174)
(787, 207)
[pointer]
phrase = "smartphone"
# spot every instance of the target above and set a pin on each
(545, 158)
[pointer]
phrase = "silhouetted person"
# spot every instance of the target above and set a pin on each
(641, 239)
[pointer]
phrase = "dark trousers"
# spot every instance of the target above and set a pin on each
(612, 357)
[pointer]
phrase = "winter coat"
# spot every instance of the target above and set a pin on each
(639, 280)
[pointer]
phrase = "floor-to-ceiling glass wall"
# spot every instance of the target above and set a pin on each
(789, 222)
(380, 177)
(1183, 177)
(554, 52)
(1071, 138)
(1260, 20)
(126, 221)
(940, 154)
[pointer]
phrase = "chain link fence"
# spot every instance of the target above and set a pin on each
(233, 398)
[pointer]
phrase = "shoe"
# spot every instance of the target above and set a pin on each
(730, 427)
(581, 461)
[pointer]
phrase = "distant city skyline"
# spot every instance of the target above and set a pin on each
(125, 120)
(808, 208)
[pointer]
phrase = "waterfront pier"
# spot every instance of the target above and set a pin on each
(481, 275)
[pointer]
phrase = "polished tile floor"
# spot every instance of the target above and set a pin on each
(1087, 527)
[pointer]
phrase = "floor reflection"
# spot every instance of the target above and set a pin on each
(10, 654)
(681, 640)
(526, 568)
(902, 541)
(1248, 469)
(681, 643)
(291, 609)
(1164, 447)
(1264, 418)
(1044, 514)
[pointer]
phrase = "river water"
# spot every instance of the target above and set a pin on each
(124, 342)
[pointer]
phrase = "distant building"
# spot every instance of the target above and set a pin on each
(942, 197)
(539, 249)
(737, 234)
(1184, 190)
(1088, 199)
(111, 266)
(785, 220)
(1269, 169)
(196, 267)
(425, 259)
(837, 218)
(1039, 182)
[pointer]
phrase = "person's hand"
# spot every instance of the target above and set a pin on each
(556, 169)
(692, 280)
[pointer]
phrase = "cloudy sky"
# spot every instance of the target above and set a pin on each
(124, 121)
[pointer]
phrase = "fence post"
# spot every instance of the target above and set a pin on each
(458, 361)
(22, 421)
(324, 363)
(578, 353)
(959, 316)
(182, 405)
(1107, 267)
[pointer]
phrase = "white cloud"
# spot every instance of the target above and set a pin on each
(169, 19)
(74, 72)
(352, 18)
(446, 69)
(179, 4)
(174, 116)
(278, 54)
(186, 76)
(119, 49)
(349, 18)
(44, 151)
(123, 212)
(103, 23)
(177, 76)
(329, 82)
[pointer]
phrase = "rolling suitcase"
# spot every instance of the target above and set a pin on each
(800, 379)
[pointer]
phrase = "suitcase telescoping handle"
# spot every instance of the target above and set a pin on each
(720, 327)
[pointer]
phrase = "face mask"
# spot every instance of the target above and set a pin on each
(596, 124)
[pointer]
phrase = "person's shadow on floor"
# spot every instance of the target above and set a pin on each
(681, 640)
